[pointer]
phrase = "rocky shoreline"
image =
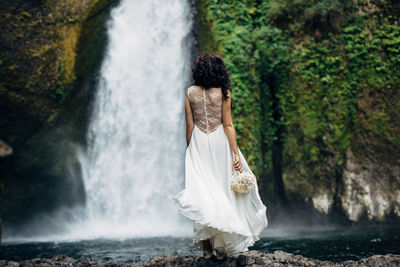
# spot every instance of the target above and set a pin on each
(250, 258)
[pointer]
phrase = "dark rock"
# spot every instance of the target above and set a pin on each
(242, 260)
(5, 150)
(249, 258)
(50, 54)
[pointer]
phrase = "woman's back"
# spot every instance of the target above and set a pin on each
(207, 107)
(222, 220)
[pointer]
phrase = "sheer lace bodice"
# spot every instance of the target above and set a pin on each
(206, 107)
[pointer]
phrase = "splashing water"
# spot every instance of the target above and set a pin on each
(134, 163)
(135, 159)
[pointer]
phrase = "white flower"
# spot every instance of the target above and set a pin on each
(242, 182)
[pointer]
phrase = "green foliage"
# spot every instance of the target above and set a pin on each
(314, 76)
(273, 62)
(322, 103)
(317, 17)
(230, 25)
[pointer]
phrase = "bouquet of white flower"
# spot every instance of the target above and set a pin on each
(242, 182)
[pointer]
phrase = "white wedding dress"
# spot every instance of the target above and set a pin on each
(231, 221)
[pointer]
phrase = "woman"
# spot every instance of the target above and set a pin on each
(224, 222)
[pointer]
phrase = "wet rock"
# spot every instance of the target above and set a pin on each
(50, 53)
(250, 258)
(5, 150)
(370, 189)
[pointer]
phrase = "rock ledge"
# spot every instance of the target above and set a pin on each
(250, 258)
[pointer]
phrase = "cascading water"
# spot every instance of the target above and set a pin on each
(135, 159)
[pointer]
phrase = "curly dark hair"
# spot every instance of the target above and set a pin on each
(209, 71)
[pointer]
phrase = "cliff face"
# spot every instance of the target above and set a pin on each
(315, 86)
(318, 100)
(50, 54)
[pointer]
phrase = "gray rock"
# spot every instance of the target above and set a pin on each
(5, 150)
(250, 258)
(370, 189)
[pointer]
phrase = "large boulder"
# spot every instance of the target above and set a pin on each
(50, 53)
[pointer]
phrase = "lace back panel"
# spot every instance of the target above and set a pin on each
(206, 107)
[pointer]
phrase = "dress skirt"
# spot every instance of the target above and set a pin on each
(232, 221)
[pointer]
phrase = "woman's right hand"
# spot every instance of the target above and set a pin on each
(237, 164)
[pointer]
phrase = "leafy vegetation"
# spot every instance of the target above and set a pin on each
(310, 80)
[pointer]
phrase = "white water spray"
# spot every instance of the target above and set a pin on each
(134, 163)
(135, 160)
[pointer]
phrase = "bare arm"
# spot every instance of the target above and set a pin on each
(230, 130)
(189, 120)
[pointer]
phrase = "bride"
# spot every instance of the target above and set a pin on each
(224, 222)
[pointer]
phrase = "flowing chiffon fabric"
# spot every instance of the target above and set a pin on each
(231, 221)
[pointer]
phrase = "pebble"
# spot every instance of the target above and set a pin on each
(250, 258)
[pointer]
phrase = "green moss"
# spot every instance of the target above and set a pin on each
(310, 80)
(47, 82)
(205, 27)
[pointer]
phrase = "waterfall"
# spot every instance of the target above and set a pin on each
(134, 163)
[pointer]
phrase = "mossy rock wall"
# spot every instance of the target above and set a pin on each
(51, 52)
(316, 87)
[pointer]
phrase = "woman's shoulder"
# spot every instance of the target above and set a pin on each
(190, 90)
(193, 88)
